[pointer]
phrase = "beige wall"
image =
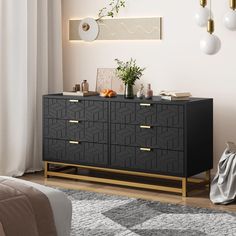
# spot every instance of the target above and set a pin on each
(175, 63)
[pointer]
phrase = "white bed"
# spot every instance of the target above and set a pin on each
(61, 206)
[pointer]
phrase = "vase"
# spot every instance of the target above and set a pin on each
(129, 92)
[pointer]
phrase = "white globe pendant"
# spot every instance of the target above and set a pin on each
(210, 44)
(202, 16)
(230, 20)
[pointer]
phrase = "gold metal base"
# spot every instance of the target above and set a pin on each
(182, 190)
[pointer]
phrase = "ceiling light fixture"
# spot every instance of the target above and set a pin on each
(210, 43)
(202, 14)
(230, 17)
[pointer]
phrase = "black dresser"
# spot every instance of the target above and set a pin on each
(150, 138)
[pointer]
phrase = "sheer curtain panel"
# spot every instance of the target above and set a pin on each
(30, 66)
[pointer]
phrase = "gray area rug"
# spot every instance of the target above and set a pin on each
(104, 215)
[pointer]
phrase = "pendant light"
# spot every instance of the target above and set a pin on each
(210, 44)
(202, 14)
(230, 17)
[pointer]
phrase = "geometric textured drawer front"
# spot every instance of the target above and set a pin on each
(123, 134)
(63, 109)
(146, 114)
(53, 128)
(96, 111)
(156, 137)
(170, 115)
(75, 152)
(159, 161)
(82, 131)
(154, 114)
(63, 129)
(122, 112)
(82, 153)
(54, 108)
(54, 150)
(87, 153)
(96, 153)
(160, 137)
(96, 132)
(75, 109)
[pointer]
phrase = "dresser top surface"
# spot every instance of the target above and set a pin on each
(120, 98)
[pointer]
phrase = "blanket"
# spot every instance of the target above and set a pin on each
(223, 186)
(24, 211)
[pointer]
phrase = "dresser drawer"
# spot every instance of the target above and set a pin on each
(75, 109)
(87, 153)
(96, 111)
(147, 136)
(75, 130)
(54, 150)
(96, 132)
(147, 114)
(155, 160)
(54, 108)
(63, 108)
(75, 152)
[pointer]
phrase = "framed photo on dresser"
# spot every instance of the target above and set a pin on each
(108, 79)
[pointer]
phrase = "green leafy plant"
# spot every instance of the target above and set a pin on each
(114, 7)
(128, 71)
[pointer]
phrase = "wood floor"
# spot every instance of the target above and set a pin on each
(198, 197)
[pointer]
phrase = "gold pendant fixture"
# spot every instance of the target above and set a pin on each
(203, 3)
(210, 26)
(232, 4)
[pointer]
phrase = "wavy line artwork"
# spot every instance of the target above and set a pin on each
(137, 29)
(125, 29)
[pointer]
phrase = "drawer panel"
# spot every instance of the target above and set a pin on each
(122, 112)
(54, 150)
(156, 161)
(170, 115)
(63, 108)
(74, 109)
(54, 108)
(70, 130)
(81, 153)
(147, 113)
(87, 153)
(157, 137)
(96, 111)
(96, 132)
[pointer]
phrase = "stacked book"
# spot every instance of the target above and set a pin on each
(80, 93)
(175, 96)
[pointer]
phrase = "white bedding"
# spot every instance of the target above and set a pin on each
(61, 206)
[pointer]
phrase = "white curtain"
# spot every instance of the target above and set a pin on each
(30, 66)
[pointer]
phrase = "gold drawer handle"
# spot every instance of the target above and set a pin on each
(146, 149)
(145, 127)
(145, 104)
(74, 142)
(74, 121)
(72, 100)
